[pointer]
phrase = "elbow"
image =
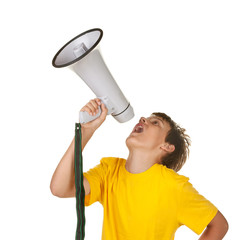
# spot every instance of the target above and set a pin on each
(226, 226)
(223, 228)
(219, 225)
(61, 192)
(55, 191)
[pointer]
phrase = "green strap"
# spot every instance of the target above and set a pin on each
(80, 193)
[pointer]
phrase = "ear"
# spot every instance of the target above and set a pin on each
(169, 148)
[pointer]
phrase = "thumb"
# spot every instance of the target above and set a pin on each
(104, 111)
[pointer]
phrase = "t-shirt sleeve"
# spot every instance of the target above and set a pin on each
(195, 211)
(95, 177)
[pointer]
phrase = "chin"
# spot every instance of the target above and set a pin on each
(132, 142)
(128, 142)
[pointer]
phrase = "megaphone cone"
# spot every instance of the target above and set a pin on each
(82, 55)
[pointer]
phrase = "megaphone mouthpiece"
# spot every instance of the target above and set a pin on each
(80, 50)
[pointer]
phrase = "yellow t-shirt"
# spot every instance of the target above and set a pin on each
(146, 206)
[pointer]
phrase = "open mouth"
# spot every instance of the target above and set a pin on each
(138, 128)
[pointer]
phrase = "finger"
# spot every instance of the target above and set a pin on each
(93, 106)
(87, 109)
(94, 103)
(98, 101)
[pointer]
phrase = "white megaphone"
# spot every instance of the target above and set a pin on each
(82, 56)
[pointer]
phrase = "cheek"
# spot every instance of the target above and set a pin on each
(156, 138)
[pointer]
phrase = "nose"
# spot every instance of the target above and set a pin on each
(143, 120)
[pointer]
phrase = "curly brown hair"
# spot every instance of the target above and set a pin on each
(177, 137)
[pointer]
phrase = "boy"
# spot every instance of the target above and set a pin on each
(143, 197)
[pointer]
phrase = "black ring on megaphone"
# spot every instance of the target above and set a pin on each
(122, 111)
(86, 53)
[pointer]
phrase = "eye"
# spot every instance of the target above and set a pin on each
(155, 122)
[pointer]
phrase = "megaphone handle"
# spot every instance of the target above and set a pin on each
(85, 117)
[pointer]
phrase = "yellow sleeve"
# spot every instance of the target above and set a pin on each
(195, 211)
(95, 177)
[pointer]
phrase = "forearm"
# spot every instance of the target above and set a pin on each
(63, 179)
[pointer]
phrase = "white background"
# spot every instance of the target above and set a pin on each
(185, 58)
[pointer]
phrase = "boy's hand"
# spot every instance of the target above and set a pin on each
(92, 108)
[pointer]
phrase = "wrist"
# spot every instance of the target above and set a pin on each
(87, 128)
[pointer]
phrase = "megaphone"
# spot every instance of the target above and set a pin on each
(82, 55)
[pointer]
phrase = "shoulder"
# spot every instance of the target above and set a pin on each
(111, 162)
(111, 165)
(173, 178)
(179, 184)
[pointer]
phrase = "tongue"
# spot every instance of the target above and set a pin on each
(139, 130)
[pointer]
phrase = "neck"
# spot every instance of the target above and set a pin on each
(140, 161)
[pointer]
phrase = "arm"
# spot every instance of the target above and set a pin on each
(216, 229)
(63, 179)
